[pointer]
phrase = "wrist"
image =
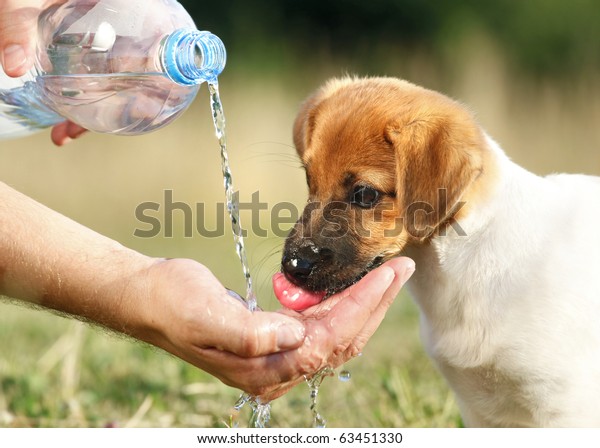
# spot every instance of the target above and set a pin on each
(142, 313)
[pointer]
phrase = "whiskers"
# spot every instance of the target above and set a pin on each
(268, 253)
(273, 152)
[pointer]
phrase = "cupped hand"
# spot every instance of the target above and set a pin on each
(265, 353)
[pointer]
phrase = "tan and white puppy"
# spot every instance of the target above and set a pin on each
(508, 263)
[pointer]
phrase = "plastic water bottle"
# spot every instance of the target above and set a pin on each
(115, 66)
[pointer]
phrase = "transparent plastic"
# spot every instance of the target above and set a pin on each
(114, 66)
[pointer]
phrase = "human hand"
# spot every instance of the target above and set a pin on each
(18, 31)
(218, 334)
(191, 315)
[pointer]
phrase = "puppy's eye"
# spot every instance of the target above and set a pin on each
(364, 196)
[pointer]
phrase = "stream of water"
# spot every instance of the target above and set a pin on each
(261, 412)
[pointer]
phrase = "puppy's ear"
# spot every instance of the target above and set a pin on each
(307, 118)
(304, 124)
(437, 158)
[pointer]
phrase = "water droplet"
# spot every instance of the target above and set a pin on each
(344, 376)
(319, 422)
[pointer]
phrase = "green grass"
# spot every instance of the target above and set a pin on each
(55, 372)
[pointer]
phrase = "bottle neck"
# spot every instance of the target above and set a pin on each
(190, 57)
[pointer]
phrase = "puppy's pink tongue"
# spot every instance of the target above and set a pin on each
(292, 296)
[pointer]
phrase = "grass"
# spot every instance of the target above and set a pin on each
(58, 373)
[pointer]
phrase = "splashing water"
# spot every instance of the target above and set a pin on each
(233, 203)
(314, 383)
(261, 412)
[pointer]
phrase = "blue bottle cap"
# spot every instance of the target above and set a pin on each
(191, 57)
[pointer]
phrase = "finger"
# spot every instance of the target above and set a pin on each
(403, 269)
(351, 309)
(59, 134)
(18, 30)
(338, 329)
(254, 334)
(266, 376)
(65, 132)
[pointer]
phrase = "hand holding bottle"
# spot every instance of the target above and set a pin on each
(123, 67)
(18, 32)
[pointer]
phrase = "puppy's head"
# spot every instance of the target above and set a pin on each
(387, 164)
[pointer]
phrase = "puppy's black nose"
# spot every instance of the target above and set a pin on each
(298, 265)
(297, 268)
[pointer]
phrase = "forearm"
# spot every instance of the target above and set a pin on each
(52, 261)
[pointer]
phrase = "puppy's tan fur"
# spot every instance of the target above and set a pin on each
(384, 145)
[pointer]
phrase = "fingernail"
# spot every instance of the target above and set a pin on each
(13, 58)
(289, 336)
(409, 270)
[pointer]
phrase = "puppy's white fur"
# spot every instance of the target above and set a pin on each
(511, 312)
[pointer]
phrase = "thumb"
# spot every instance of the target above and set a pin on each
(18, 33)
(256, 334)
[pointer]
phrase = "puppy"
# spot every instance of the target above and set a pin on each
(507, 280)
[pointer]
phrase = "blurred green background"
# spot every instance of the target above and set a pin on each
(530, 70)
